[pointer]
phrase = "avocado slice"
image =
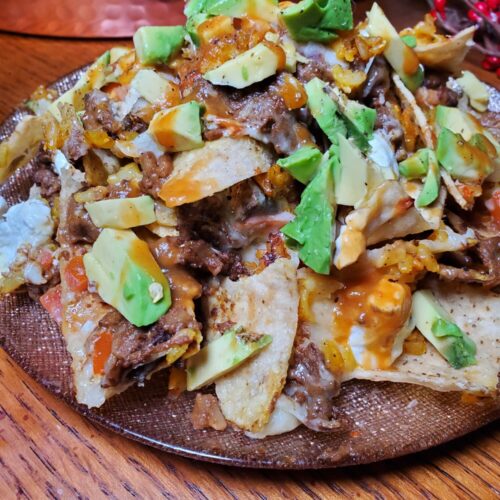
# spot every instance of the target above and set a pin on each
(317, 20)
(360, 121)
(254, 65)
(151, 86)
(222, 356)
(350, 174)
(178, 128)
(475, 90)
(461, 159)
(324, 110)
(437, 326)
(157, 44)
(312, 230)
(399, 55)
(430, 189)
(303, 163)
(122, 213)
(415, 166)
(127, 276)
(457, 121)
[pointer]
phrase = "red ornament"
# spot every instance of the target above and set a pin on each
(474, 16)
(493, 4)
(482, 7)
(491, 63)
(440, 5)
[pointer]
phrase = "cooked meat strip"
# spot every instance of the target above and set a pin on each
(154, 172)
(75, 146)
(313, 69)
(434, 92)
(80, 228)
(378, 80)
(134, 123)
(49, 182)
(489, 252)
(313, 386)
(98, 113)
(207, 414)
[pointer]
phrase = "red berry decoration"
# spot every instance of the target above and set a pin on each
(491, 63)
(493, 4)
(440, 5)
(474, 16)
(482, 7)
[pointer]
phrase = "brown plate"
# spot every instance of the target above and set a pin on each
(385, 420)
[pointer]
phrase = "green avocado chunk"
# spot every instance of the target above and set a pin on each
(317, 20)
(122, 213)
(178, 128)
(399, 55)
(410, 40)
(415, 166)
(313, 228)
(360, 122)
(461, 159)
(302, 164)
(127, 276)
(222, 356)
(156, 44)
(324, 110)
(438, 328)
(254, 65)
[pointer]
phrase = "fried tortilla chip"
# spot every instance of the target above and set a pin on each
(447, 54)
(212, 168)
(266, 303)
(474, 310)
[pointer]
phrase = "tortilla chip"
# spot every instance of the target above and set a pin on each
(266, 303)
(448, 54)
(212, 168)
(21, 146)
(474, 310)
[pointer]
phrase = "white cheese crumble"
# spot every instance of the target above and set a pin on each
(25, 225)
(155, 292)
(382, 154)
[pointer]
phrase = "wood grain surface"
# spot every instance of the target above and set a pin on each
(47, 450)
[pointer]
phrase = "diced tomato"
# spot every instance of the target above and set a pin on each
(51, 301)
(45, 259)
(75, 276)
(493, 205)
(102, 351)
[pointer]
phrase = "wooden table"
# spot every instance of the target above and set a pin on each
(46, 449)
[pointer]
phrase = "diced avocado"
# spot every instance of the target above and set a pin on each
(222, 356)
(457, 121)
(151, 85)
(410, 40)
(129, 172)
(156, 44)
(266, 10)
(123, 269)
(303, 163)
(317, 20)
(178, 128)
(122, 213)
(461, 159)
(93, 78)
(430, 189)
(193, 7)
(360, 121)
(351, 174)
(437, 326)
(313, 229)
(254, 65)
(475, 89)
(192, 26)
(485, 145)
(324, 110)
(401, 57)
(415, 166)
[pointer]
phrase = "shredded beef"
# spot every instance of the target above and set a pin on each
(207, 414)
(49, 182)
(306, 72)
(136, 347)
(134, 123)
(154, 172)
(98, 113)
(75, 145)
(378, 80)
(313, 386)
(80, 228)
